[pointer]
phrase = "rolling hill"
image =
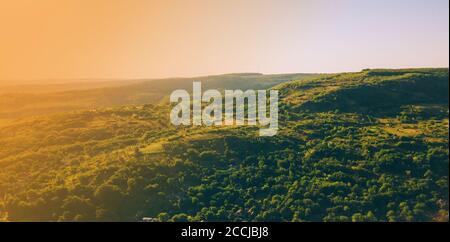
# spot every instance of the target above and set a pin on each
(366, 146)
(30, 100)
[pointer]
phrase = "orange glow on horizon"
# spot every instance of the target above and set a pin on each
(156, 38)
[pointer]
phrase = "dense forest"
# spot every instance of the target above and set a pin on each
(366, 146)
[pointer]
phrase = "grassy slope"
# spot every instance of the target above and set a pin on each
(341, 155)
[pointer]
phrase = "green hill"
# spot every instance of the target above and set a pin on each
(367, 146)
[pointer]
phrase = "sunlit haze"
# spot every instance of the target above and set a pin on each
(51, 39)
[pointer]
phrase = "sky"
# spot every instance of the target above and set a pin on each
(129, 39)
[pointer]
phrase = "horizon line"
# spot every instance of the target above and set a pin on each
(109, 79)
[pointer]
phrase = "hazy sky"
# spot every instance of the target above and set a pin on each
(166, 38)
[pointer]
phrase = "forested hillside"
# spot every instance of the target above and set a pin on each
(367, 146)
